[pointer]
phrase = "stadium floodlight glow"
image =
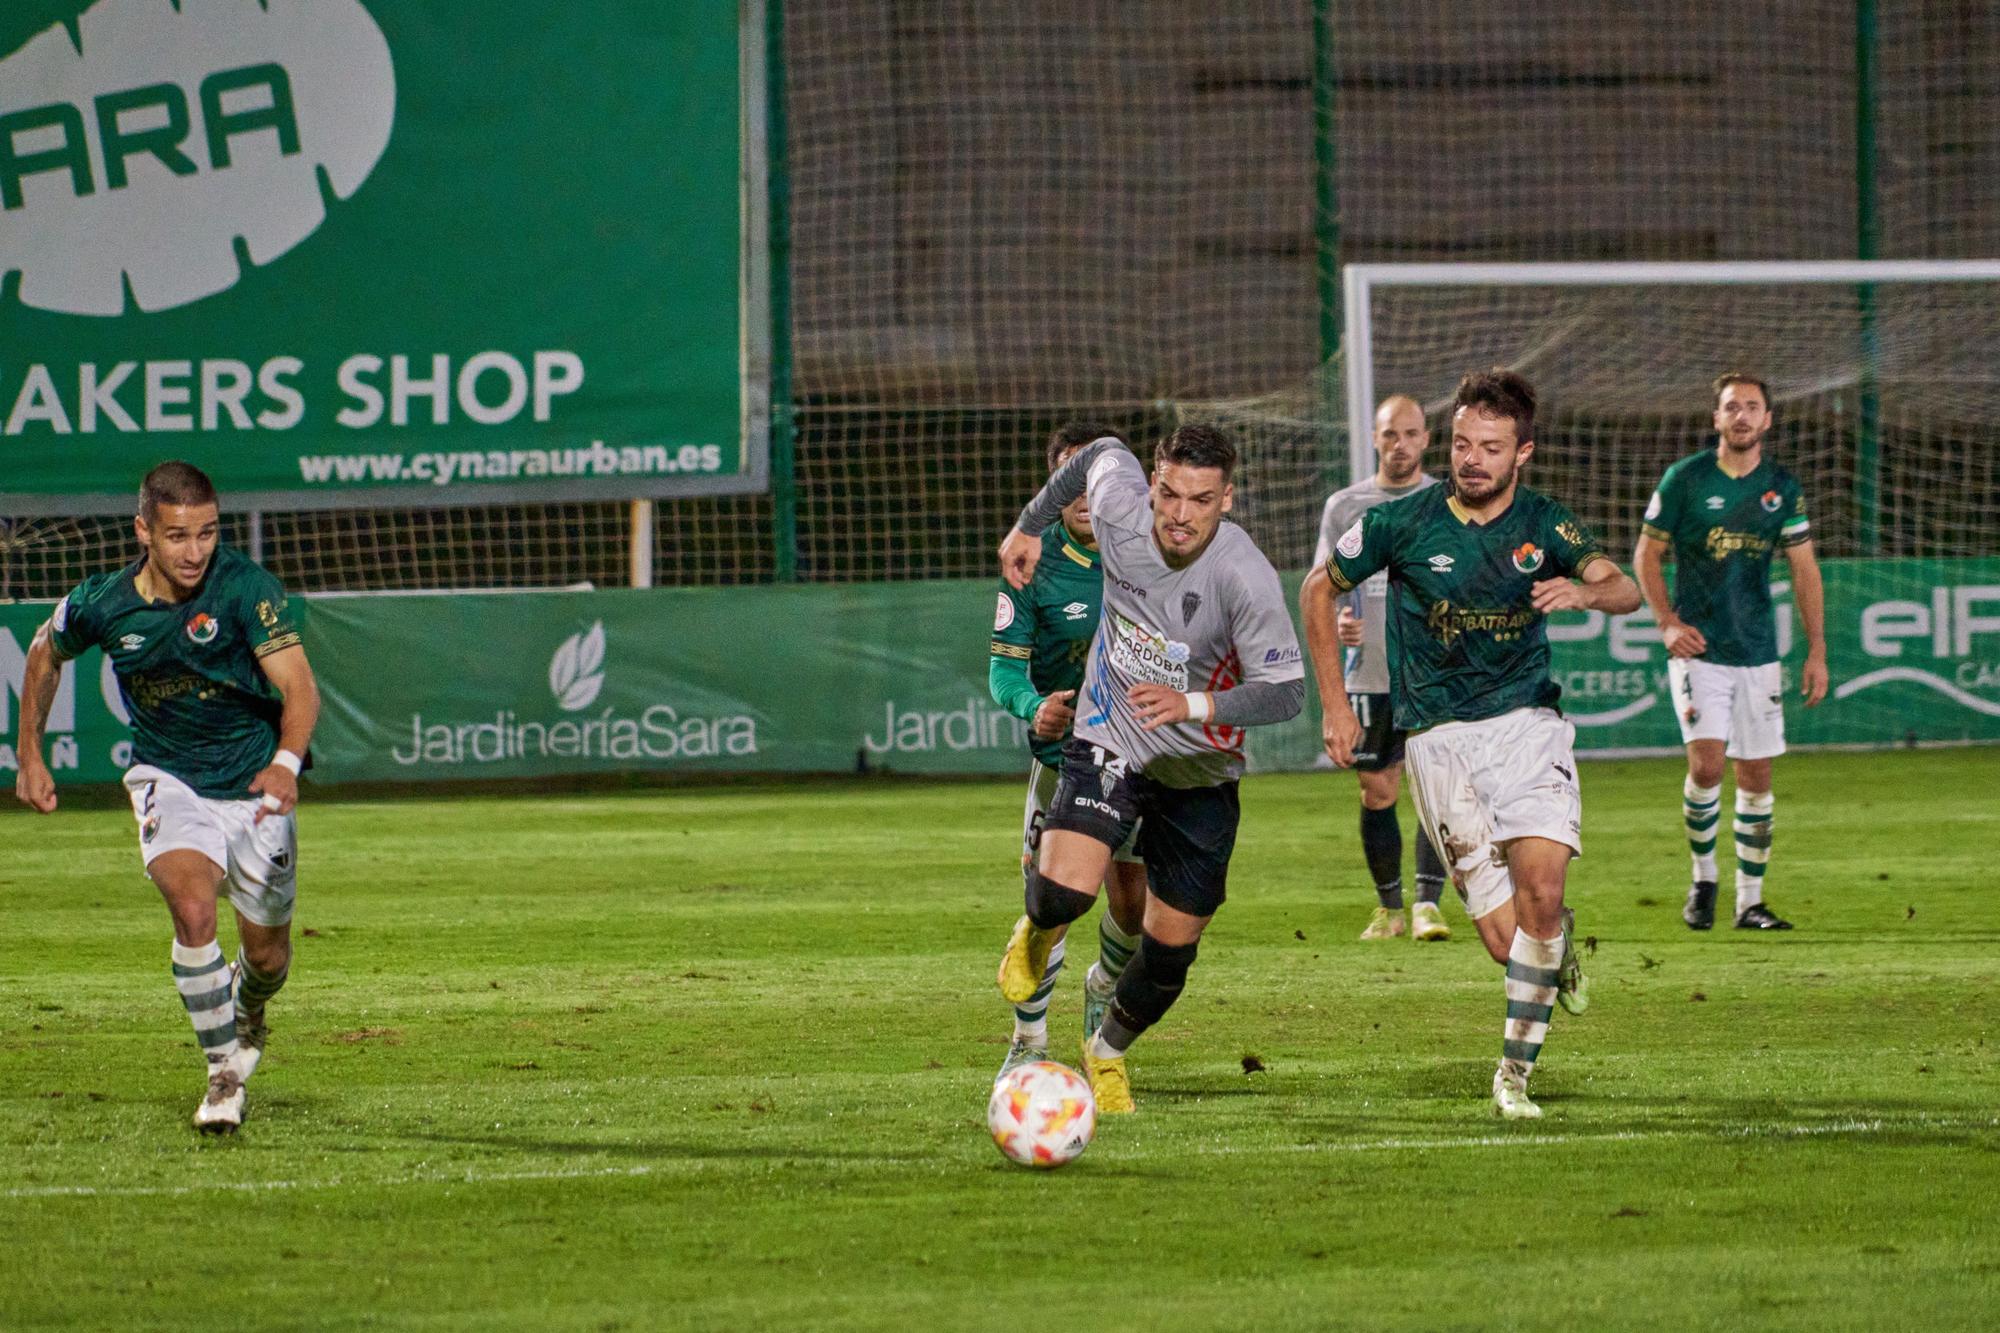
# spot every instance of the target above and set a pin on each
(1360, 281)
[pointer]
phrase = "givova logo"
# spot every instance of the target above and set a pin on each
(158, 145)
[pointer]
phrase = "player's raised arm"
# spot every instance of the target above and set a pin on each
(292, 676)
(34, 784)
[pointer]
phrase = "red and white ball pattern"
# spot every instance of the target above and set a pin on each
(1042, 1114)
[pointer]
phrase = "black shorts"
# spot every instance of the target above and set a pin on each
(1381, 744)
(1186, 837)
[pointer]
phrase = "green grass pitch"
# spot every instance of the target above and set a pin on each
(718, 1058)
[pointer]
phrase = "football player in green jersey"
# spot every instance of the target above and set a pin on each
(1474, 572)
(222, 703)
(1723, 513)
(1041, 636)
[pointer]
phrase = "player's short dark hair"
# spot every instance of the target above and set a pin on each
(1074, 435)
(174, 483)
(1729, 377)
(1501, 393)
(1198, 446)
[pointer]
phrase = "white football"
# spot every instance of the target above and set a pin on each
(1042, 1114)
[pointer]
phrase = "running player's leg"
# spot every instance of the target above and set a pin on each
(1537, 808)
(1119, 927)
(1703, 705)
(1187, 840)
(1491, 794)
(1090, 814)
(185, 850)
(1757, 737)
(262, 880)
(1030, 1040)
(190, 884)
(1535, 958)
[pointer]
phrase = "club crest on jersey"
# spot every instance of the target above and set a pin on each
(1770, 500)
(202, 628)
(1528, 557)
(1190, 603)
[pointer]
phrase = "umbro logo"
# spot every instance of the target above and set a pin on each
(1077, 610)
(1442, 563)
(131, 642)
(1715, 502)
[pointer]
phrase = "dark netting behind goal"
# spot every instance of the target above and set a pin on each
(1005, 215)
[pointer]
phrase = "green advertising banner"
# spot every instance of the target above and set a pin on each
(1913, 649)
(352, 252)
(893, 676)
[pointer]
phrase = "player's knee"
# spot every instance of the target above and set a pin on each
(1051, 904)
(1378, 791)
(1705, 768)
(270, 957)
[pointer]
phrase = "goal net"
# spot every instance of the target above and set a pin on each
(1884, 378)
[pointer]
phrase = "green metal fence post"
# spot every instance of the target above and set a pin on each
(1868, 424)
(784, 431)
(1326, 226)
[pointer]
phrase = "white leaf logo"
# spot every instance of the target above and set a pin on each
(153, 144)
(574, 674)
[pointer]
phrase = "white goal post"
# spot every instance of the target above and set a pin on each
(1361, 281)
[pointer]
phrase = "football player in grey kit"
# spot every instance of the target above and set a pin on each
(1194, 645)
(1363, 626)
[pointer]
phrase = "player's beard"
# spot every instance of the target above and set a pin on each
(1742, 444)
(1493, 484)
(1405, 474)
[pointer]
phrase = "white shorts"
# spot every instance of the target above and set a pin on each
(1041, 790)
(259, 861)
(1744, 705)
(1480, 785)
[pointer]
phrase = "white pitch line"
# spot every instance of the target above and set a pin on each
(1812, 1130)
(1617, 1136)
(259, 1186)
